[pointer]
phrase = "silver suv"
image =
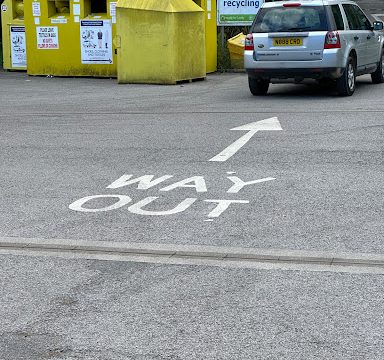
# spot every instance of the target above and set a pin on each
(326, 40)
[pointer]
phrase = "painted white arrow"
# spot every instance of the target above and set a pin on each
(270, 124)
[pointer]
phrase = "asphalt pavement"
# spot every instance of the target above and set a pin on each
(66, 139)
(87, 160)
(95, 310)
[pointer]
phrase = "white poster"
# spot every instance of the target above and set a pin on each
(36, 9)
(112, 8)
(237, 12)
(47, 37)
(76, 9)
(18, 48)
(112, 11)
(59, 20)
(96, 41)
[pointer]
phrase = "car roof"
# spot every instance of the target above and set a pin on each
(268, 4)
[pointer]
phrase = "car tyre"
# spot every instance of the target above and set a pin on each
(258, 86)
(378, 75)
(346, 84)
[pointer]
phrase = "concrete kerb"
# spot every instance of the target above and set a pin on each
(224, 254)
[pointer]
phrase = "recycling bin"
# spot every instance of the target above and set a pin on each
(236, 51)
(70, 38)
(161, 42)
(13, 35)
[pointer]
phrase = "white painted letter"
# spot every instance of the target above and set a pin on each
(199, 184)
(239, 184)
(223, 205)
(78, 204)
(137, 208)
(145, 181)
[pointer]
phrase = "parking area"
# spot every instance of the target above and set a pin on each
(315, 184)
(197, 168)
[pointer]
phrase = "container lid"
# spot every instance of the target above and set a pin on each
(169, 6)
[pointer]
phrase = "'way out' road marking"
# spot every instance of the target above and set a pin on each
(148, 181)
(270, 124)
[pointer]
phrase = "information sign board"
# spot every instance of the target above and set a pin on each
(237, 12)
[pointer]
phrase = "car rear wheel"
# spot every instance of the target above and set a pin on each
(378, 75)
(258, 86)
(347, 83)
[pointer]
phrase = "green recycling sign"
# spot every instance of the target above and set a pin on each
(237, 12)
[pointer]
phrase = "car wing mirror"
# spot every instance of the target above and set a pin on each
(378, 25)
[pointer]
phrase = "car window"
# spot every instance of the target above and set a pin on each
(353, 22)
(365, 24)
(356, 18)
(283, 19)
(338, 17)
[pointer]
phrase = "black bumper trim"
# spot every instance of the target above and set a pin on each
(315, 73)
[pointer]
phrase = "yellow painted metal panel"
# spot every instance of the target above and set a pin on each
(173, 6)
(209, 6)
(12, 15)
(160, 47)
(64, 58)
(189, 48)
(211, 35)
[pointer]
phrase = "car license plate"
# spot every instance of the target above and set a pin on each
(287, 42)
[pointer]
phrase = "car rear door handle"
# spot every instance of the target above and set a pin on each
(356, 38)
(369, 37)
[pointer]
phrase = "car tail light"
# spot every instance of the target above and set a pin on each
(332, 40)
(292, 5)
(248, 42)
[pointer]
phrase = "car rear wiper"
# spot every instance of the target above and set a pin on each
(300, 28)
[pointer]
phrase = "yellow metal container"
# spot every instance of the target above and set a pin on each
(236, 51)
(209, 6)
(13, 35)
(160, 42)
(70, 38)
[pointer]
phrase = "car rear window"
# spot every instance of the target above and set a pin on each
(338, 17)
(286, 19)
